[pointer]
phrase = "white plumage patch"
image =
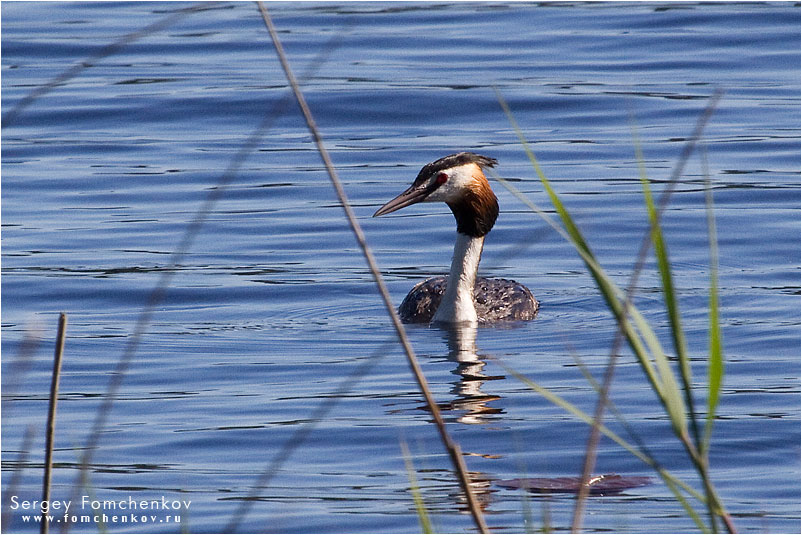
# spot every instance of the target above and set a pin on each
(457, 305)
(459, 179)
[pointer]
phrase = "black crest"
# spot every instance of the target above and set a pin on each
(453, 160)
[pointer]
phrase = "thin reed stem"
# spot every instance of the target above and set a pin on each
(186, 241)
(451, 447)
(51, 417)
(112, 48)
(159, 291)
(14, 378)
(16, 477)
(301, 433)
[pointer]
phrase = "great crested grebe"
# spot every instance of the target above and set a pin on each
(458, 180)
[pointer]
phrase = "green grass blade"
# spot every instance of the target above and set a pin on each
(417, 497)
(671, 481)
(715, 371)
(609, 288)
(638, 332)
(526, 505)
(666, 384)
(662, 380)
(669, 293)
(690, 511)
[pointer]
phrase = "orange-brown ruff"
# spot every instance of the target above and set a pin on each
(458, 180)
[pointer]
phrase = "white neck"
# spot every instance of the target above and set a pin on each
(457, 303)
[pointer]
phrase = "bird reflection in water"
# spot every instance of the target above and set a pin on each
(470, 404)
(471, 401)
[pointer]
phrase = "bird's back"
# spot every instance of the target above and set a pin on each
(495, 300)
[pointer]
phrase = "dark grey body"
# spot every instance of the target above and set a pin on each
(495, 300)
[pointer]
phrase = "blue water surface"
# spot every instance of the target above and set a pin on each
(271, 332)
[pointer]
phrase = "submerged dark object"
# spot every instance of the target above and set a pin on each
(597, 485)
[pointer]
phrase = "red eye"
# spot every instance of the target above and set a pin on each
(442, 178)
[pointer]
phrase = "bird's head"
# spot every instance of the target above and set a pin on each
(458, 181)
